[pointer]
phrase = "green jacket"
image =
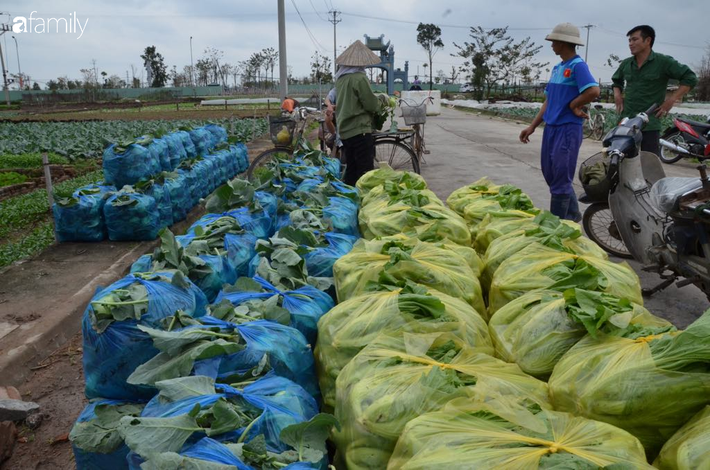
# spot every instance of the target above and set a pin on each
(647, 85)
(355, 105)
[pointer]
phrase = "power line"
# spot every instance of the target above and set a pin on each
(314, 9)
(357, 15)
(310, 35)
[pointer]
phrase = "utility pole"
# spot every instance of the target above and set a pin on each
(335, 21)
(192, 66)
(19, 69)
(283, 70)
(4, 29)
(586, 47)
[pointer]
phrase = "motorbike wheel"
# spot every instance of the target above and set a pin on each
(587, 129)
(599, 225)
(667, 155)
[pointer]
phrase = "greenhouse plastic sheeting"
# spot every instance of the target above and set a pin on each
(129, 167)
(399, 377)
(649, 383)
(689, 448)
(353, 324)
(434, 265)
(477, 436)
(111, 355)
(131, 216)
(306, 304)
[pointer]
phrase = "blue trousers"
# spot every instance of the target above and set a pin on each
(558, 158)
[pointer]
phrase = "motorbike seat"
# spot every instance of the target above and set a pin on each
(666, 192)
(700, 125)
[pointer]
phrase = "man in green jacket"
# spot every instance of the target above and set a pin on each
(642, 80)
(357, 105)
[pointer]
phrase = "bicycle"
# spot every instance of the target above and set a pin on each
(394, 148)
(594, 126)
(286, 135)
(415, 116)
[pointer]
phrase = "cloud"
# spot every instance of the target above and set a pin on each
(117, 34)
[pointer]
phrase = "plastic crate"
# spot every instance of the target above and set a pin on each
(277, 125)
(414, 114)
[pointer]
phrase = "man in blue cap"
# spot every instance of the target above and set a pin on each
(570, 88)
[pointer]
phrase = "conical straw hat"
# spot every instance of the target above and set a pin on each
(357, 55)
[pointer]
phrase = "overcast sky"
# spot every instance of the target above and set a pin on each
(117, 33)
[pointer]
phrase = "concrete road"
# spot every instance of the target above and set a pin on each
(465, 147)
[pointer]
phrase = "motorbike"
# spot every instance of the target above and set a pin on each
(685, 139)
(662, 222)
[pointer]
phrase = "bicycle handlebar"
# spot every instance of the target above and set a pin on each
(405, 101)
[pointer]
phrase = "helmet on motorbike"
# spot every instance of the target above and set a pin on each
(565, 32)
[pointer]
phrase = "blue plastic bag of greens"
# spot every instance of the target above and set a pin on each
(191, 186)
(242, 157)
(208, 450)
(187, 145)
(202, 139)
(306, 304)
(131, 216)
(142, 264)
(274, 403)
(321, 260)
(286, 348)
(128, 163)
(110, 451)
(176, 151)
(206, 175)
(240, 249)
(342, 214)
(159, 148)
(81, 218)
(114, 346)
(218, 169)
(259, 223)
(180, 198)
(219, 133)
(161, 194)
(268, 201)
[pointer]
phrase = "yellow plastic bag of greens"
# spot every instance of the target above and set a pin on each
(406, 191)
(460, 198)
(433, 265)
(537, 329)
(540, 267)
(355, 323)
(398, 377)
(414, 213)
(498, 223)
(471, 436)
(549, 231)
(509, 197)
(649, 382)
(375, 178)
(689, 448)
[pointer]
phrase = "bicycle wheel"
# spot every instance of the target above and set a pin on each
(396, 154)
(598, 127)
(263, 159)
(587, 129)
(599, 224)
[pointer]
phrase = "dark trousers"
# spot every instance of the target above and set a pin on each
(559, 152)
(359, 157)
(650, 142)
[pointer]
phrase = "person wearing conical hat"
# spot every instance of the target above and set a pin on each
(357, 105)
(570, 88)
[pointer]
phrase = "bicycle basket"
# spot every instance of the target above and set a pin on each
(593, 174)
(414, 114)
(281, 131)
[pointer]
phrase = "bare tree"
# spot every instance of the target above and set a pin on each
(454, 73)
(702, 91)
(493, 57)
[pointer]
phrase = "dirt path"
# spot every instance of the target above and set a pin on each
(57, 385)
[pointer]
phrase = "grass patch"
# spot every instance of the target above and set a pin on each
(26, 226)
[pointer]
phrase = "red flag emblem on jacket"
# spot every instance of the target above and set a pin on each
(567, 73)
